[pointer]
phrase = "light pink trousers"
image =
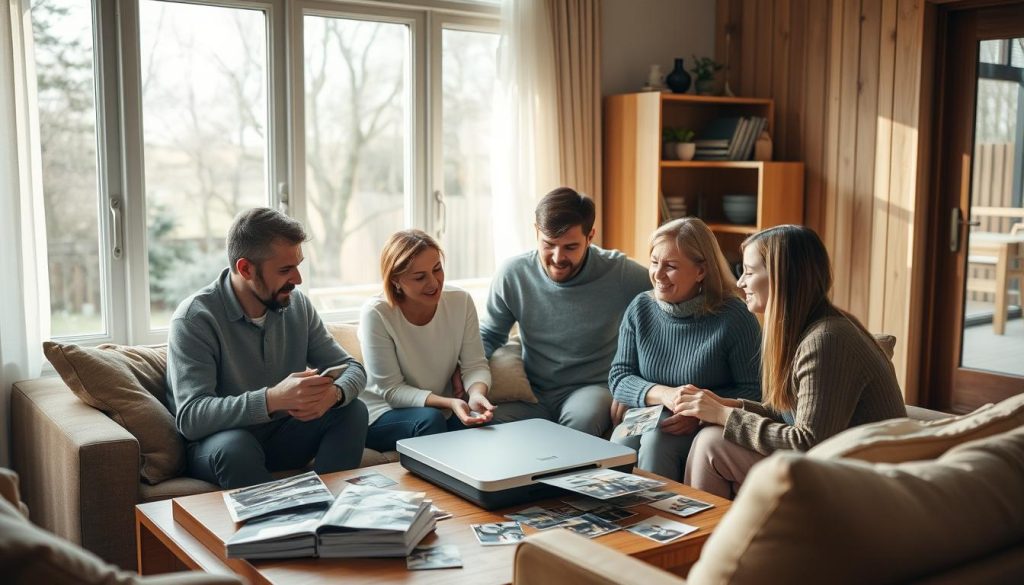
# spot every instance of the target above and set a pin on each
(717, 465)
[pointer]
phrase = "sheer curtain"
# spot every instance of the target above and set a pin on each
(22, 256)
(528, 160)
(550, 111)
(576, 25)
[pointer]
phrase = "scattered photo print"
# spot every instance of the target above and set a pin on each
(661, 530)
(682, 506)
(498, 533)
(589, 525)
(372, 479)
(612, 513)
(443, 556)
(537, 517)
(438, 513)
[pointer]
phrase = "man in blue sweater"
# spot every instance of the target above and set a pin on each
(242, 362)
(568, 297)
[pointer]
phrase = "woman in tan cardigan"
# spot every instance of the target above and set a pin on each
(822, 372)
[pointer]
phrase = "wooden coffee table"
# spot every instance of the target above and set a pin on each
(189, 532)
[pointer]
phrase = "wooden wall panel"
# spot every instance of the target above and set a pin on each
(845, 76)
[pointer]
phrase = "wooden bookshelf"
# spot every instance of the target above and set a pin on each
(635, 174)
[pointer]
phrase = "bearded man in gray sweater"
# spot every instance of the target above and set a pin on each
(568, 297)
(243, 362)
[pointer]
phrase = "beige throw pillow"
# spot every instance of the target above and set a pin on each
(127, 383)
(905, 439)
(508, 376)
(887, 343)
(803, 520)
(347, 336)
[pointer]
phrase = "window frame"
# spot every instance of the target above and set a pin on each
(124, 286)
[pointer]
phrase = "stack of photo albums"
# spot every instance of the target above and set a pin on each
(299, 517)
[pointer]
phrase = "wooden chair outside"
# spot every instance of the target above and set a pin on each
(1002, 253)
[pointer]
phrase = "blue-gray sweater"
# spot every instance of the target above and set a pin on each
(569, 330)
(219, 365)
(718, 351)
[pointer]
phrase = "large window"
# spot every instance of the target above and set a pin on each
(160, 120)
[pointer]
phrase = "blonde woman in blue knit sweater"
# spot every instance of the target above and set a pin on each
(692, 330)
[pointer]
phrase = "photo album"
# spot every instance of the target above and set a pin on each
(363, 521)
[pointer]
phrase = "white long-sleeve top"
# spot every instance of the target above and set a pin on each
(405, 363)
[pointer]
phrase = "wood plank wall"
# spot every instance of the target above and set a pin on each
(846, 78)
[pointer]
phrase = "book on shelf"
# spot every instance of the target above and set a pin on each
(719, 133)
(362, 521)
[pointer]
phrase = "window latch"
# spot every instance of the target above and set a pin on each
(116, 213)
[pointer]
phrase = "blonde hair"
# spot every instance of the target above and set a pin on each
(799, 285)
(694, 240)
(398, 253)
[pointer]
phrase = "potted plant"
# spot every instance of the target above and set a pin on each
(704, 68)
(678, 144)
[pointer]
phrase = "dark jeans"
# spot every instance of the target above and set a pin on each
(402, 423)
(242, 457)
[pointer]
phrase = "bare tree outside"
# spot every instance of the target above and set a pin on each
(357, 134)
(204, 83)
(63, 53)
(469, 72)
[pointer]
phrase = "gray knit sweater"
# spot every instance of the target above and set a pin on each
(842, 380)
(569, 329)
(718, 351)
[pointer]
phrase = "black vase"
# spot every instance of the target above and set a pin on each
(678, 80)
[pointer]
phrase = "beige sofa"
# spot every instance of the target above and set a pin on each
(900, 501)
(81, 471)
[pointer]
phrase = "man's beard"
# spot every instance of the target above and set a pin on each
(271, 302)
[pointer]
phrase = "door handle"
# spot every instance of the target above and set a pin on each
(956, 222)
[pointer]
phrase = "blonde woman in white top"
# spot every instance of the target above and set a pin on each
(425, 364)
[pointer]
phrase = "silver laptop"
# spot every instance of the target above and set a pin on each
(499, 465)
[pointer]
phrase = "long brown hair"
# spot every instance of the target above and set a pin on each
(694, 240)
(398, 254)
(799, 285)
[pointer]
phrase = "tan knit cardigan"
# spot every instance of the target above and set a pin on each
(842, 380)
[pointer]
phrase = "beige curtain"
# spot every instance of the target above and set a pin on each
(576, 28)
(550, 112)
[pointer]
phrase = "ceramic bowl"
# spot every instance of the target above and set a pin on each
(741, 209)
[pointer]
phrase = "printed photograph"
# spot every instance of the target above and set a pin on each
(602, 484)
(276, 496)
(590, 526)
(443, 556)
(638, 421)
(612, 513)
(540, 518)
(498, 533)
(639, 498)
(438, 513)
(682, 506)
(661, 530)
(372, 479)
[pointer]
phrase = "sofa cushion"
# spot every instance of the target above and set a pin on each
(905, 439)
(29, 554)
(804, 520)
(887, 343)
(127, 383)
(347, 336)
(508, 375)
